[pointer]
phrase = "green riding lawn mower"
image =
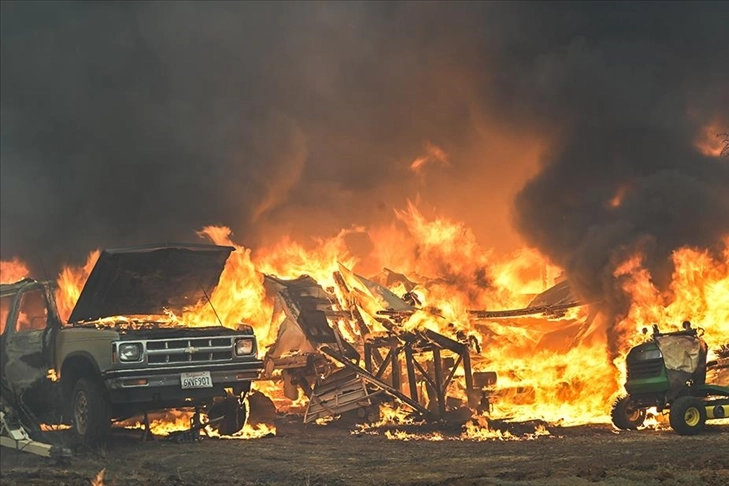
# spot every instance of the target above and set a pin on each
(671, 372)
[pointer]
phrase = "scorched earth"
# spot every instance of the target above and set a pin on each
(335, 455)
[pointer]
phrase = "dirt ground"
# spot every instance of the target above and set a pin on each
(337, 454)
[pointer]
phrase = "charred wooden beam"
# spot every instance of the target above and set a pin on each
(352, 308)
(473, 397)
(424, 374)
(444, 342)
(383, 366)
(395, 364)
(377, 382)
(438, 365)
(549, 310)
(368, 356)
(362, 326)
(452, 372)
(412, 382)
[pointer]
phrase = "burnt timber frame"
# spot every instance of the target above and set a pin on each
(386, 359)
(385, 356)
(401, 351)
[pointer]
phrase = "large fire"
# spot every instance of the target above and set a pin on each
(556, 369)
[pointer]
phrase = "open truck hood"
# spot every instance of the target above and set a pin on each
(147, 280)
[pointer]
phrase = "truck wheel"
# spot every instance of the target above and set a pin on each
(687, 415)
(91, 412)
(626, 415)
(234, 412)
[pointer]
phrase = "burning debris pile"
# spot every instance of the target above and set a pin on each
(317, 356)
(452, 337)
(587, 137)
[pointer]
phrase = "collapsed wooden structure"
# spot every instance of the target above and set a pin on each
(428, 372)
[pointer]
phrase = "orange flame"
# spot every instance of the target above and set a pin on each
(433, 155)
(617, 199)
(239, 296)
(99, 479)
(163, 424)
(699, 292)
(70, 283)
(555, 368)
(13, 270)
(712, 140)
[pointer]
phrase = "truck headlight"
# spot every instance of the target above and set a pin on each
(243, 346)
(130, 352)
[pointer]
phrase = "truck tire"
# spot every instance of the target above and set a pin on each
(91, 412)
(625, 415)
(234, 411)
(687, 415)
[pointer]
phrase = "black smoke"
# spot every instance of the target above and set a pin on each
(630, 95)
(132, 122)
(137, 122)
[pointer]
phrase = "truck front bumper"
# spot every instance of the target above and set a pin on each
(164, 385)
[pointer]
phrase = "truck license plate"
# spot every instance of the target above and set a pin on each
(199, 379)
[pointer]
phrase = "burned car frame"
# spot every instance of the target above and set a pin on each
(120, 354)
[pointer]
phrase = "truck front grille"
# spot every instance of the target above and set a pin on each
(190, 350)
(645, 369)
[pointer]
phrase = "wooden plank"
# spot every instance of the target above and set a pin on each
(26, 445)
(411, 374)
(395, 362)
(439, 382)
(452, 372)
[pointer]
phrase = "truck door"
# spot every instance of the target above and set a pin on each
(29, 335)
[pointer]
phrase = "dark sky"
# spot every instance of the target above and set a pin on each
(139, 122)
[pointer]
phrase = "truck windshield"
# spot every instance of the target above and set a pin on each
(33, 314)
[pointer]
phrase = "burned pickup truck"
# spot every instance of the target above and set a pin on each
(123, 351)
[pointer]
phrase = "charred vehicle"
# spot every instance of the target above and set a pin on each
(124, 351)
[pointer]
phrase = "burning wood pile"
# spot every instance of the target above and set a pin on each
(352, 347)
(314, 353)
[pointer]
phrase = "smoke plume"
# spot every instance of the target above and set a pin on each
(629, 94)
(139, 122)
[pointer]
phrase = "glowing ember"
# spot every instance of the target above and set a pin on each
(617, 199)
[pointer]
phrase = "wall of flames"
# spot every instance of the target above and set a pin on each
(557, 369)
